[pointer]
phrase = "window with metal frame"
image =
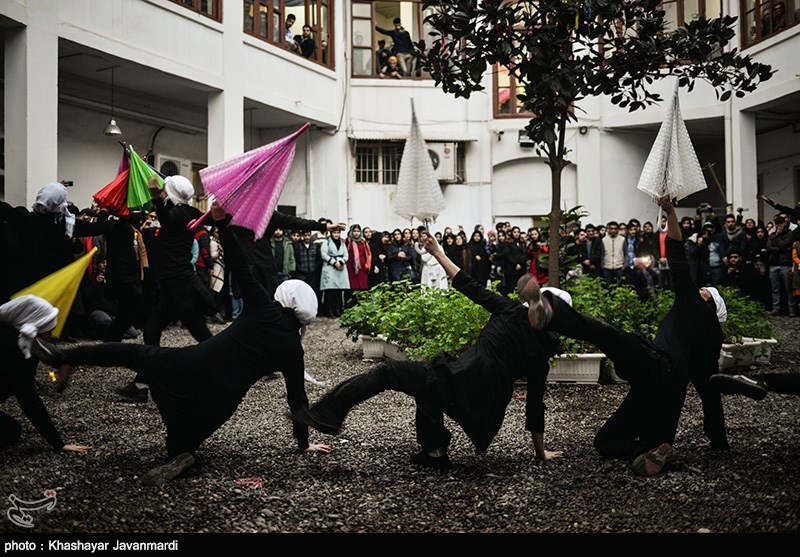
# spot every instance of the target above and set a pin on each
(378, 162)
(284, 22)
(208, 8)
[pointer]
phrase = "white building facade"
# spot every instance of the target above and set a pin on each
(198, 81)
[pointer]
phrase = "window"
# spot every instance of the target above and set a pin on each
(373, 49)
(304, 27)
(210, 8)
(680, 12)
(765, 18)
(506, 91)
(379, 162)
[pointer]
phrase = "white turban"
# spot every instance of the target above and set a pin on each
(563, 294)
(299, 297)
(53, 199)
(30, 315)
(722, 309)
(179, 189)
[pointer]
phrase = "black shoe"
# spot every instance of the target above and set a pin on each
(169, 471)
(321, 421)
(132, 393)
(47, 353)
(739, 385)
(422, 458)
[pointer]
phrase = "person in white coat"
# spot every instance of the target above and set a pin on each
(334, 279)
(433, 273)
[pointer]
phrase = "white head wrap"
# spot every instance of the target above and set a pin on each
(53, 199)
(299, 297)
(719, 302)
(179, 189)
(30, 315)
(563, 294)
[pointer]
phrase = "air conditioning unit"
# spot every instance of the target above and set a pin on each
(444, 157)
(171, 166)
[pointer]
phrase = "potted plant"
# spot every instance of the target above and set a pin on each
(748, 332)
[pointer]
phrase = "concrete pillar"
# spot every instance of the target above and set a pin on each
(587, 159)
(226, 108)
(741, 158)
(30, 87)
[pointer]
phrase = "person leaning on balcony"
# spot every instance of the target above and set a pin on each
(391, 69)
(403, 47)
(305, 44)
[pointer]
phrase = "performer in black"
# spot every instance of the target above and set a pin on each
(198, 388)
(473, 389)
(686, 348)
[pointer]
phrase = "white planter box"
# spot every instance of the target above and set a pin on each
(393, 352)
(575, 368)
(372, 347)
(749, 351)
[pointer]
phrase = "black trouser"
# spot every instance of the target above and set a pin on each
(332, 300)
(10, 430)
(406, 377)
(178, 301)
(649, 414)
(130, 305)
(786, 383)
(148, 362)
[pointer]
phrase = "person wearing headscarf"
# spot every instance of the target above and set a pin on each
(198, 388)
(479, 258)
(21, 321)
(334, 280)
(39, 242)
(359, 261)
(686, 349)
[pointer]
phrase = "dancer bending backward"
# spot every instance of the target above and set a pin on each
(198, 388)
(473, 389)
(686, 348)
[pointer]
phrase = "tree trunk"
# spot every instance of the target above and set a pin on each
(555, 224)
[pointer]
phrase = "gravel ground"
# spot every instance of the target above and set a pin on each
(367, 484)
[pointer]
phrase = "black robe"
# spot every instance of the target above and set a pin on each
(476, 387)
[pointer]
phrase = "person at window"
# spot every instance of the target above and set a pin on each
(290, 44)
(391, 69)
(403, 47)
(774, 23)
(382, 55)
(305, 44)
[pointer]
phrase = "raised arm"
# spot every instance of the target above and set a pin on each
(493, 303)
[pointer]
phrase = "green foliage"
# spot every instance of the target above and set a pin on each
(420, 320)
(746, 318)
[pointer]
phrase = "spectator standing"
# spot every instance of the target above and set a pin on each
(359, 261)
(779, 246)
(612, 254)
(399, 257)
(283, 251)
(305, 44)
(334, 280)
(536, 249)
(479, 258)
(308, 261)
(515, 261)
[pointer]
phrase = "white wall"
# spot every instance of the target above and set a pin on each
(781, 150)
(90, 159)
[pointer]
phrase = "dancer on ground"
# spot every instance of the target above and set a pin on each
(473, 389)
(198, 388)
(686, 347)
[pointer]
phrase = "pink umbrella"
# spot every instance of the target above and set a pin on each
(248, 186)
